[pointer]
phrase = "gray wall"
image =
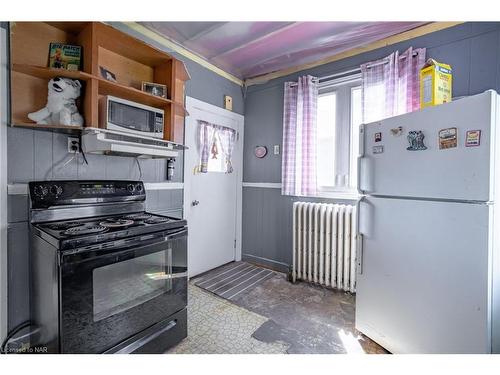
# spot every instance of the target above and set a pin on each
(39, 155)
(472, 49)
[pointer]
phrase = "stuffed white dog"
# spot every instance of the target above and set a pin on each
(61, 107)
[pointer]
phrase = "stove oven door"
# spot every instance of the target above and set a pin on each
(110, 294)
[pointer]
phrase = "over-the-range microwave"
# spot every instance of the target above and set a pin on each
(125, 115)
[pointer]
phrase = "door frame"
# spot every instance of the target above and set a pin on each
(4, 119)
(193, 104)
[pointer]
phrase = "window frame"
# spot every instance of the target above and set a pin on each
(343, 88)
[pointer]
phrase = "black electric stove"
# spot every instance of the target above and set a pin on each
(107, 276)
(76, 234)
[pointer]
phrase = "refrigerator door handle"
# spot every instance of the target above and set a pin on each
(358, 172)
(360, 158)
(359, 238)
(359, 254)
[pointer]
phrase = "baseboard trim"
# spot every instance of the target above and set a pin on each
(268, 263)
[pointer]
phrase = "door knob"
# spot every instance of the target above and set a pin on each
(195, 203)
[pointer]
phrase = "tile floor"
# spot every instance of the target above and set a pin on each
(216, 326)
(309, 318)
(273, 316)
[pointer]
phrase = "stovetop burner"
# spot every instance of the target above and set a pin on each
(116, 223)
(141, 216)
(64, 226)
(157, 220)
(85, 229)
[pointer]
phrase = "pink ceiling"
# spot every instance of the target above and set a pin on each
(249, 49)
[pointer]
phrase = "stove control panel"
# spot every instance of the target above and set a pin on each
(44, 194)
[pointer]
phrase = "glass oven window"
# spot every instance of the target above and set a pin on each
(121, 286)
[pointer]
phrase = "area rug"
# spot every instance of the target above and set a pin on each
(231, 280)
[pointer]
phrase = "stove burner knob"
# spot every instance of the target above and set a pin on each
(56, 190)
(138, 188)
(41, 191)
(130, 188)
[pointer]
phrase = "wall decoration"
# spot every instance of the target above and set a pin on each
(107, 75)
(447, 138)
(260, 151)
(228, 102)
(416, 140)
(473, 138)
(155, 89)
(378, 137)
(397, 131)
(65, 56)
(214, 150)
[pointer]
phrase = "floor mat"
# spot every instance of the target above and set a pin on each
(231, 280)
(216, 326)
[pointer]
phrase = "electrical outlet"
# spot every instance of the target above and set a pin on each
(73, 145)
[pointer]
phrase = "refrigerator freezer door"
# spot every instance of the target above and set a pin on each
(424, 281)
(461, 173)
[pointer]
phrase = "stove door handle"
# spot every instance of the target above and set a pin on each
(173, 236)
(132, 346)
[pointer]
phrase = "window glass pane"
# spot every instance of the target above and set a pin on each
(216, 159)
(356, 119)
(325, 160)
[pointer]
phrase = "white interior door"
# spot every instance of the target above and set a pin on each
(212, 201)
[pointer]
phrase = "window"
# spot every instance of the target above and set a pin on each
(339, 117)
(217, 161)
(216, 144)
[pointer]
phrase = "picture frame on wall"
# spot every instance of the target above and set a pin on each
(155, 89)
(107, 75)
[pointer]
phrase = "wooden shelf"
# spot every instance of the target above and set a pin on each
(49, 73)
(54, 128)
(105, 87)
(180, 109)
(131, 60)
(130, 93)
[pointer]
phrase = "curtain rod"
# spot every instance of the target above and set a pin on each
(352, 71)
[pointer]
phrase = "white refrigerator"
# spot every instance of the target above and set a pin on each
(429, 229)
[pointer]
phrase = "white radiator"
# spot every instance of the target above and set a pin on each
(324, 244)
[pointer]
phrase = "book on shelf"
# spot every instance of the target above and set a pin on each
(65, 56)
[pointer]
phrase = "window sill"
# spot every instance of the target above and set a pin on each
(345, 195)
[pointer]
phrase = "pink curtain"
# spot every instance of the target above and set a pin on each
(298, 172)
(391, 86)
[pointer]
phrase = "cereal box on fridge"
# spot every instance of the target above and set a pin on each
(435, 83)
